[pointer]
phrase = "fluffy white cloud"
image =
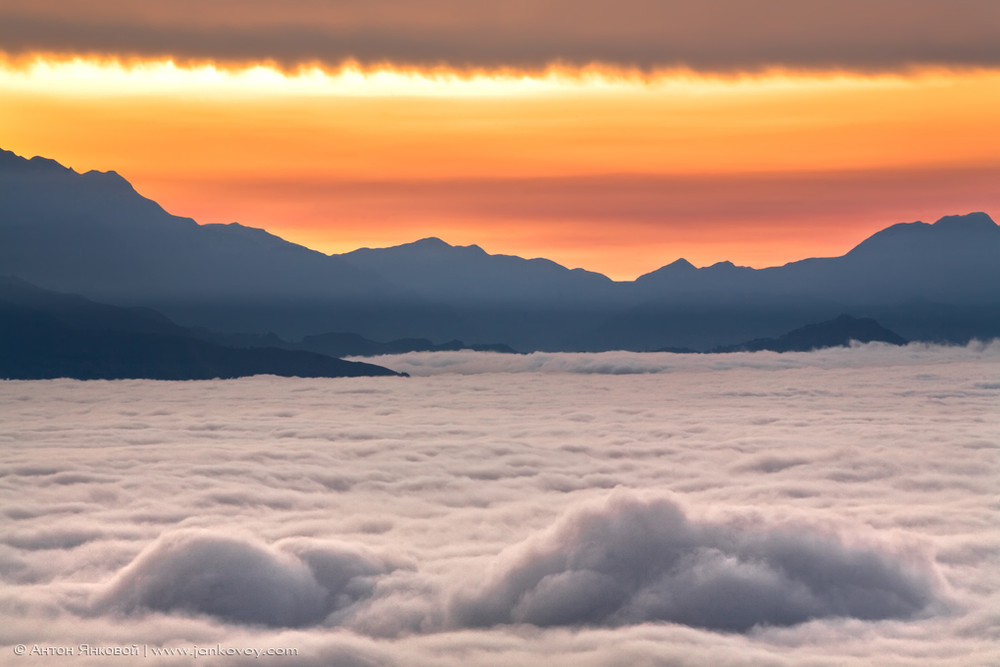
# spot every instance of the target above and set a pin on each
(299, 582)
(632, 562)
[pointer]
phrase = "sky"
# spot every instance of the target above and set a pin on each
(611, 136)
(841, 503)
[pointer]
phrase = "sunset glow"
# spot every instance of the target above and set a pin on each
(615, 170)
(469, 333)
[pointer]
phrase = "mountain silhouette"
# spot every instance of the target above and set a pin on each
(838, 332)
(92, 234)
(44, 335)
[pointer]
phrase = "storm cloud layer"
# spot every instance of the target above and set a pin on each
(823, 508)
(712, 35)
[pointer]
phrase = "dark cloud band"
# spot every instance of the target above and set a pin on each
(715, 35)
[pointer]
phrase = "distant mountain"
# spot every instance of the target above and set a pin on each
(838, 332)
(956, 259)
(527, 303)
(468, 274)
(344, 344)
(937, 282)
(49, 335)
(77, 312)
(353, 345)
(93, 234)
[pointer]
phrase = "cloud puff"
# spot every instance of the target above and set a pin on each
(292, 584)
(631, 561)
(719, 35)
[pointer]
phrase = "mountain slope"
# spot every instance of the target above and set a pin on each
(838, 332)
(93, 234)
(49, 335)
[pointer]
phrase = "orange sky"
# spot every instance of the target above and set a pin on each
(597, 167)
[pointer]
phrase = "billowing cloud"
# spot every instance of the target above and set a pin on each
(238, 580)
(720, 35)
(631, 561)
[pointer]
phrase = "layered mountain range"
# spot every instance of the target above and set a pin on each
(45, 334)
(94, 235)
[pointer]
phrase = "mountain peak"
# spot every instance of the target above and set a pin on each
(433, 244)
(429, 242)
(978, 220)
(109, 179)
(680, 264)
(47, 163)
(929, 236)
(13, 161)
(10, 158)
(725, 267)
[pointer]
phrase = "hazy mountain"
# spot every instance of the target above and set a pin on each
(353, 345)
(838, 332)
(93, 234)
(468, 274)
(346, 344)
(956, 259)
(44, 334)
(78, 312)
(936, 281)
(528, 303)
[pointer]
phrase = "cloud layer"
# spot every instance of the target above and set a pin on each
(637, 363)
(715, 35)
(635, 562)
(825, 508)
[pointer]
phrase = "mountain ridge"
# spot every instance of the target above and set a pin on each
(92, 233)
(977, 219)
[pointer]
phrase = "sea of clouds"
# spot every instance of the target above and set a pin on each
(824, 508)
